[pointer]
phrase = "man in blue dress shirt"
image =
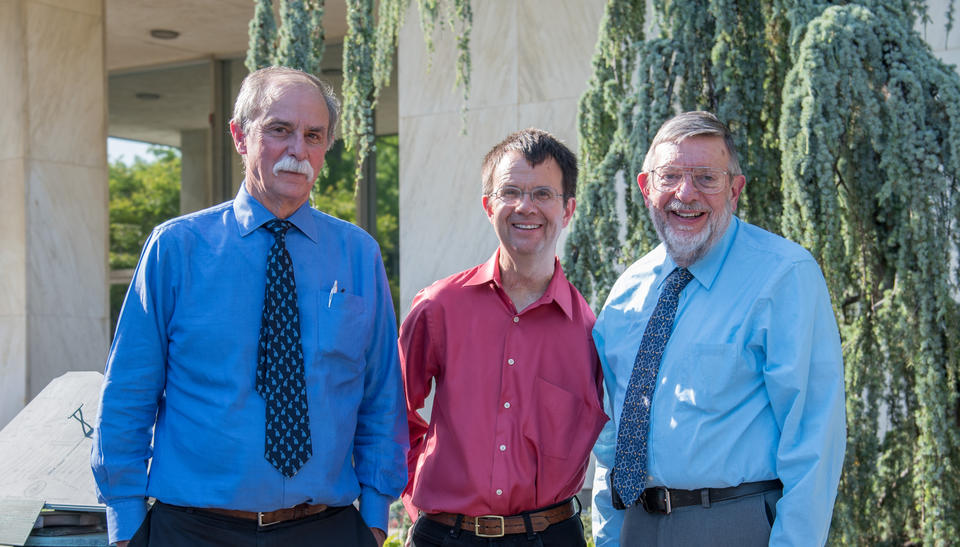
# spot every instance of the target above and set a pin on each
(746, 419)
(182, 382)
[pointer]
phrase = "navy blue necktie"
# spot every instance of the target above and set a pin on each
(280, 375)
(630, 466)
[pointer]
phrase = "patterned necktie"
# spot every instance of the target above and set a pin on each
(629, 470)
(280, 375)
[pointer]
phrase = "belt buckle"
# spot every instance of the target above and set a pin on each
(260, 521)
(476, 526)
(650, 500)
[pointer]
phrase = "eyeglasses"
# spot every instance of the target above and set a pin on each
(511, 195)
(708, 180)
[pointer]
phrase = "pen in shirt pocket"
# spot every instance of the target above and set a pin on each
(333, 291)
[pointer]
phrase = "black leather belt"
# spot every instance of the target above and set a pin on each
(664, 500)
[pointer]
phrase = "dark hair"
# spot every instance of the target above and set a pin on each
(255, 96)
(536, 145)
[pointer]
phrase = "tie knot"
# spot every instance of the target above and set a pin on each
(278, 227)
(677, 280)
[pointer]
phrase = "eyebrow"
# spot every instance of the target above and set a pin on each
(285, 123)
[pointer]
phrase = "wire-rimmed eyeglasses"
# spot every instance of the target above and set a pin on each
(511, 195)
(708, 180)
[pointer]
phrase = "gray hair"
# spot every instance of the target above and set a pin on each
(698, 123)
(257, 94)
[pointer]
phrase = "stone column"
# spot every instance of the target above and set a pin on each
(53, 194)
(195, 170)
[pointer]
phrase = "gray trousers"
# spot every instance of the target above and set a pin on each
(740, 522)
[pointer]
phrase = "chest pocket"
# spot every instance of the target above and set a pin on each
(717, 373)
(343, 327)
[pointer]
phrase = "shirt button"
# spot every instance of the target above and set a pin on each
(499, 492)
(516, 319)
(506, 405)
(510, 361)
(503, 447)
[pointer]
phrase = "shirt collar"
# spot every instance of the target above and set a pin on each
(557, 291)
(251, 215)
(707, 268)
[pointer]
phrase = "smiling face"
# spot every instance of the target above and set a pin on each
(283, 148)
(688, 221)
(529, 229)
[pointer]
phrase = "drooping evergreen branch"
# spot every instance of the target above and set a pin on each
(295, 46)
(368, 65)
(358, 81)
(263, 35)
(849, 134)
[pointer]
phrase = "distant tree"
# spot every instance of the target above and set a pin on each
(333, 194)
(142, 195)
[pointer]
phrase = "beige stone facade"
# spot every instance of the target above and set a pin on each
(53, 202)
(531, 62)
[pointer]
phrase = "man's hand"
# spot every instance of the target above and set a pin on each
(378, 534)
(123, 543)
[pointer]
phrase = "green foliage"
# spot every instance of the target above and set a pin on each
(359, 91)
(368, 50)
(849, 133)
(590, 267)
(388, 210)
(299, 42)
(390, 19)
(870, 187)
(368, 60)
(333, 194)
(586, 517)
(263, 35)
(142, 195)
(398, 516)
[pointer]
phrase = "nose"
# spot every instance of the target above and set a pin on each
(297, 146)
(526, 203)
(687, 190)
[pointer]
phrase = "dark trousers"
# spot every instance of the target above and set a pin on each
(740, 522)
(169, 525)
(429, 533)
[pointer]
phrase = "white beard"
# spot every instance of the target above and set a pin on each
(685, 248)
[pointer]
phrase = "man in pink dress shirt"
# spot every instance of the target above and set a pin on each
(517, 406)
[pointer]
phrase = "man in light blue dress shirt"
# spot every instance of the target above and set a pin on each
(747, 426)
(181, 377)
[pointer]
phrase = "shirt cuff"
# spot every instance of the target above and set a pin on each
(374, 507)
(124, 517)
